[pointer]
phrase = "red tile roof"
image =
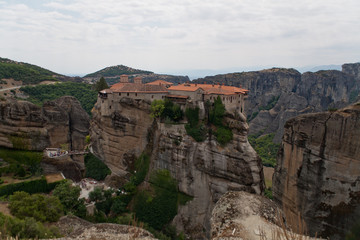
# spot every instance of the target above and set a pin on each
(209, 89)
(160, 82)
(134, 87)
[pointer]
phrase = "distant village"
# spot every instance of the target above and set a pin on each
(232, 97)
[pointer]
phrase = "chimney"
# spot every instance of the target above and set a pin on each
(138, 80)
(124, 78)
(195, 84)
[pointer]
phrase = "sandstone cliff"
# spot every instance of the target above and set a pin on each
(318, 169)
(203, 170)
(278, 94)
(25, 125)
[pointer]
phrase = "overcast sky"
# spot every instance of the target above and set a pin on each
(167, 36)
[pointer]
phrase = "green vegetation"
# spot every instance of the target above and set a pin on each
(216, 115)
(354, 233)
(28, 228)
(33, 186)
(116, 71)
(332, 109)
(270, 104)
(27, 73)
(100, 85)
(38, 206)
(42, 93)
(95, 168)
(268, 193)
(160, 208)
(194, 128)
(157, 108)
(28, 159)
(172, 112)
(69, 198)
(265, 147)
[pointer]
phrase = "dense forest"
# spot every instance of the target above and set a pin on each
(27, 73)
(42, 93)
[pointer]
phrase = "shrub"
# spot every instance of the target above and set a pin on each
(25, 229)
(157, 108)
(40, 207)
(266, 148)
(34, 186)
(69, 198)
(160, 209)
(172, 112)
(142, 167)
(223, 135)
(197, 132)
(217, 112)
(192, 116)
(95, 168)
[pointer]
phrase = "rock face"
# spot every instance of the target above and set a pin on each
(279, 94)
(203, 170)
(318, 169)
(27, 126)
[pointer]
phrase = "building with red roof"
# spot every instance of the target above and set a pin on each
(232, 97)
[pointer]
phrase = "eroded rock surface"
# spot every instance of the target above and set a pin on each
(25, 125)
(75, 228)
(318, 169)
(203, 170)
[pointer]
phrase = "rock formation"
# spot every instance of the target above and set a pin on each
(76, 228)
(318, 169)
(27, 126)
(203, 170)
(242, 215)
(278, 94)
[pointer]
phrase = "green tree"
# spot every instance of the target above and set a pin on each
(95, 168)
(96, 195)
(217, 112)
(157, 108)
(40, 207)
(101, 84)
(69, 198)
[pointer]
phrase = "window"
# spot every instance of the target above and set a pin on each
(135, 94)
(152, 96)
(127, 94)
(110, 107)
(119, 94)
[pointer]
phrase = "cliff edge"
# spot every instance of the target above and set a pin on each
(318, 169)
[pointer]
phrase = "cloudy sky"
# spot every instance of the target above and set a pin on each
(167, 36)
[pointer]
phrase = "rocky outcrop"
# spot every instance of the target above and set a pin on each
(278, 94)
(203, 170)
(318, 169)
(120, 134)
(27, 126)
(76, 228)
(241, 215)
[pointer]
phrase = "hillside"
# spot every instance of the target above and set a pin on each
(112, 75)
(29, 73)
(114, 71)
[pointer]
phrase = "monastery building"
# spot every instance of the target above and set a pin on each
(232, 97)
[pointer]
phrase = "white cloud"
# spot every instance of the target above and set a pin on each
(84, 35)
